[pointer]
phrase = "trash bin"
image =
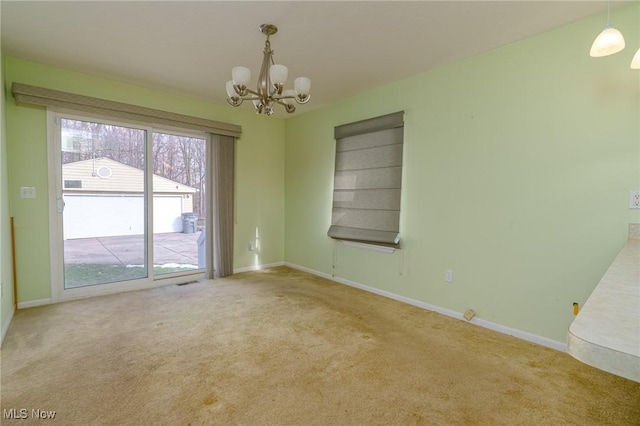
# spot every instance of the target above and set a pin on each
(189, 223)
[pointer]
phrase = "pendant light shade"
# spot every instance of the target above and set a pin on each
(302, 86)
(608, 42)
(635, 62)
(241, 76)
(288, 96)
(279, 74)
(231, 92)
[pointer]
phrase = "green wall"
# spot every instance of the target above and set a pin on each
(259, 168)
(518, 167)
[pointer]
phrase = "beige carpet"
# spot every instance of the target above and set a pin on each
(281, 347)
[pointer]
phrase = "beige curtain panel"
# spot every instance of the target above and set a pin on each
(32, 95)
(221, 171)
(368, 180)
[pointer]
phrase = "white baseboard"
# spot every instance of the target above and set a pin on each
(257, 267)
(5, 326)
(34, 303)
(533, 338)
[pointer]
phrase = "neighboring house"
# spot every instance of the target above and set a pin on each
(104, 198)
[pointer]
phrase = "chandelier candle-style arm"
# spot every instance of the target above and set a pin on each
(271, 81)
(286, 100)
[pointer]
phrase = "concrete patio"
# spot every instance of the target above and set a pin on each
(129, 250)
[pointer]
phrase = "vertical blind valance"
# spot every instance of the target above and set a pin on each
(368, 180)
(26, 94)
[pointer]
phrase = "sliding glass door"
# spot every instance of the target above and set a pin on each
(104, 193)
(129, 204)
(179, 203)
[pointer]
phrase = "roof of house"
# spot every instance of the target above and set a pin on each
(106, 175)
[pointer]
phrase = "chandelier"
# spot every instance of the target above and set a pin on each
(271, 81)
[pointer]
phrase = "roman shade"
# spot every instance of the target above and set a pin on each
(26, 94)
(368, 180)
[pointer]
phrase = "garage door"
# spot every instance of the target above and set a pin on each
(167, 214)
(94, 215)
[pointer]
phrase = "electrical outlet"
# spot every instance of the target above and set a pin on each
(448, 275)
(252, 245)
(634, 200)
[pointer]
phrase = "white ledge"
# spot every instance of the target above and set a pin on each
(372, 247)
(606, 332)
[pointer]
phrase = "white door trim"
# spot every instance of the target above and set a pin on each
(56, 254)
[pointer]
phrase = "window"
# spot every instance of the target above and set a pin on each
(368, 181)
(73, 183)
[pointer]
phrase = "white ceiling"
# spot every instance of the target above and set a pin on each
(346, 48)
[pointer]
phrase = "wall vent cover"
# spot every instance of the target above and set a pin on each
(103, 172)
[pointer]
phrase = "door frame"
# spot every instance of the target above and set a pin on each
(58, 292)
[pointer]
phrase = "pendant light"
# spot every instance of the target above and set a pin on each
(609, 41)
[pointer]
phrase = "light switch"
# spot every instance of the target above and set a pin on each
(27, 192)
(448, 275)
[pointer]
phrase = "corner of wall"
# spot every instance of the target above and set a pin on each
(7, 308)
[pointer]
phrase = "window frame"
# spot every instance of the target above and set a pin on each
(58, 292)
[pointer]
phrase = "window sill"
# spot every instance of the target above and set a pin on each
(372, 247)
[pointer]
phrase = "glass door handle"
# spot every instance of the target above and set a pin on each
(59, 205)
